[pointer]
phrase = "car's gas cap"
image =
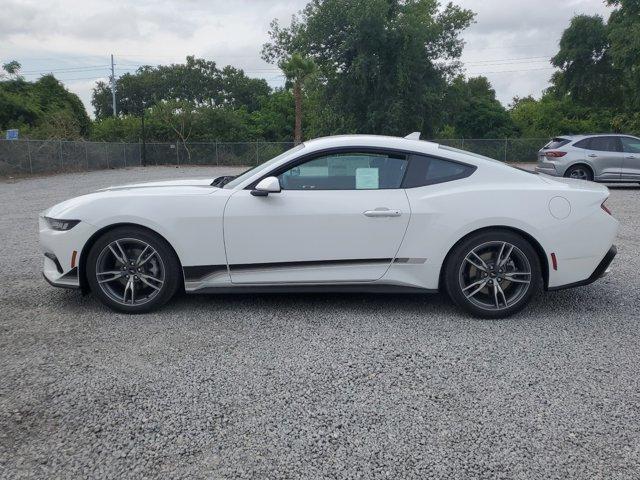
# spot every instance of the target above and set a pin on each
(559, 207)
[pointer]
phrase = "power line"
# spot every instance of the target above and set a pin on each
(513, 71)
(511, 60)
(62, 70)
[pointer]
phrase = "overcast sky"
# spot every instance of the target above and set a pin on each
(511, 41)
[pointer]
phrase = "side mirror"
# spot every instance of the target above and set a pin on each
(266, 186)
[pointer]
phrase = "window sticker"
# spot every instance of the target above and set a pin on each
(367, 179)
(313, 171)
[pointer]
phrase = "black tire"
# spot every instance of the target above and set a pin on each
(460, 274)
(154, 292)
(581, 172)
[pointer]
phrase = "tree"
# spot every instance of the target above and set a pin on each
(383, 64)
(273, 120)
(471, 110)
(44, 109)
(587, 73)
(551, 116)
(297, 70)
(12, 68)
(179, 116)
(623, 29)
(197, 81)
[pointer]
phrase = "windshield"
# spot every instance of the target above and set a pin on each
(259, 168)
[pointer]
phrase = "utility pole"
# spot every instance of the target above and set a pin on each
(143, 151)
(113, 88)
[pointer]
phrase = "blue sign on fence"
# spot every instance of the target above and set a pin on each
(12, 134)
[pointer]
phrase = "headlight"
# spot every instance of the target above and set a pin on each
(61, 225)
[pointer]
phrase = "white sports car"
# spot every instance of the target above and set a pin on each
(344, 213)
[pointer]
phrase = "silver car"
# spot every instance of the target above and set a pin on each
(603, 158)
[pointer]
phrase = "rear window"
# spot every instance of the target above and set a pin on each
(556, 143)
(425, 170)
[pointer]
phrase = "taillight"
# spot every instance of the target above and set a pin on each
(605, 208)
(554, 154)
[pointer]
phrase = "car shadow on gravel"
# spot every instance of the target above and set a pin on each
(623, 187)
(237, 307)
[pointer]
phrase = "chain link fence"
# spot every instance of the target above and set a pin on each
(26, 157)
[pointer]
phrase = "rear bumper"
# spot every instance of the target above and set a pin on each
(547, 170)
(601, 270)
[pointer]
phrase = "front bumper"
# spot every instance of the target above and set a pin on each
(601, 270)
(60, 266)
(67, 280)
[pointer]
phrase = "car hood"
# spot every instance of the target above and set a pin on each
(76, 207)
(194, 182)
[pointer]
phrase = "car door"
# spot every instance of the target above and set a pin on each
(340, 217)
(604, 154)
(631, 162)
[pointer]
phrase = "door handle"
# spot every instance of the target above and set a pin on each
(382, 212)
(630, 156)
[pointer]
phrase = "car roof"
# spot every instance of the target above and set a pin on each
(588, 135)
(410, 145)
(371, 141)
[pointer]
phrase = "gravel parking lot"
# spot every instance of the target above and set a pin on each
(311, 386)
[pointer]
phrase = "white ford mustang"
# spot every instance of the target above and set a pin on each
(347, 213)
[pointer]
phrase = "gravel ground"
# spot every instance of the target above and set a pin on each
(311, 386)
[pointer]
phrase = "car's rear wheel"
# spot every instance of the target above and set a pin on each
(132, 270)
(493, 274)
(580, 172)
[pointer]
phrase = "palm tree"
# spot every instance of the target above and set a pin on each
(297, 69)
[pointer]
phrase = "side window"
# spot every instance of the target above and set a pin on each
(630, 144)
(604, 144)
(584, 143)
(346, 171)
(425, 170)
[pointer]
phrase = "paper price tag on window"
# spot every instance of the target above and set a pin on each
(367, 178)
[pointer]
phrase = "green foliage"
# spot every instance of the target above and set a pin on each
(275, 118)
(381, 61)
(551, 116)
(197, 81)
(11, 68)
(42, 109)
(471, 110)
(597, 87)
(298, 70)
(624, 39)
(587, 74)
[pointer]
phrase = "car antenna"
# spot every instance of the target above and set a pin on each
(413, 136)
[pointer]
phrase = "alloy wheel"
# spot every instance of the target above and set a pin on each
(579, 173)
(130, 271)
(495, 275)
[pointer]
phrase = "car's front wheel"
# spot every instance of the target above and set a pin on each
(132, 270)
(493, 274)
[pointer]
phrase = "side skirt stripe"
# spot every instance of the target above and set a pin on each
(200, 272)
